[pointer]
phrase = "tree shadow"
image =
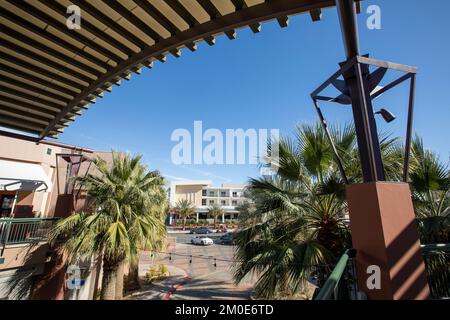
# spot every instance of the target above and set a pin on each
(21, 282)
(212, 289)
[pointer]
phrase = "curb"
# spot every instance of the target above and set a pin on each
(175, 288)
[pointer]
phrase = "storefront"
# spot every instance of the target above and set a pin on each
(19, 181)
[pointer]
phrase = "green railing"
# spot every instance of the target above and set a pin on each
(437, 263)
(337, 286)
(18, 231)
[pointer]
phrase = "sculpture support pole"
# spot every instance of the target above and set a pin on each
(389, 259)
(356, 81)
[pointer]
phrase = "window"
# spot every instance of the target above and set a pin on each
(6, 205)
(223, 194)
(211, 201)
(204, 193)
(211, 193)
(235, 194)
(203, 202)
(234, 202)
(223, 202)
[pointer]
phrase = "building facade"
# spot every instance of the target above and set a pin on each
(202, 195)
(36, 189)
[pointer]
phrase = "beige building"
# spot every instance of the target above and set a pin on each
(202, 195)
(35, 190)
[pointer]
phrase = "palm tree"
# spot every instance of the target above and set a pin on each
(126, 218)
(430, 180)
(290, 235)
(296, 227)
(184, 208)
(215, 211)
(156, 206)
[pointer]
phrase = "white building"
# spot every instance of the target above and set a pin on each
(202, 195)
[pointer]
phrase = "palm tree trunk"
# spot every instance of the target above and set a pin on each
(119, 281)
(108, 291)
(215, 220)
(134, 282)
(184, 224)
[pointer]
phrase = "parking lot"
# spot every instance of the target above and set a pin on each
(209, 269)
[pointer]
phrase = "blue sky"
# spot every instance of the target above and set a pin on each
(264, 81)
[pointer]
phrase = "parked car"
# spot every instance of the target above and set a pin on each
(227, 238)
(221, 229)
(201, 230)
(202, 240)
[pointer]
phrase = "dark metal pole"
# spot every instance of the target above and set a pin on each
(357, 83)
(349, 27)
(409, 128)
(330, 140)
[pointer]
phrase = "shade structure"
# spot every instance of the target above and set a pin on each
(49, 73)
(21, 176)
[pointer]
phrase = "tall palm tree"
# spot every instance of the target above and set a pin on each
(215, 211)
(184, 208)
(296, 225)
(156, 206)
(126, 217)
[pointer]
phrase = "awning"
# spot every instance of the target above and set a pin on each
(21, 176)
(49, 73)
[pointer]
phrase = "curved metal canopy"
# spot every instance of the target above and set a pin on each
(49, 73)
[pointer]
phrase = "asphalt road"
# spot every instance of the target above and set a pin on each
(208, 268)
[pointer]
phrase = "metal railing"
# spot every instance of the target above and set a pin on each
(338, 285)
(18, 231)
(437, 264)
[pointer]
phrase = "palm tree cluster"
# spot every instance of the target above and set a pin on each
(129, 204)
(186, 209)
(296, 224)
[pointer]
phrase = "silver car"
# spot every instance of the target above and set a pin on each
(202, 240)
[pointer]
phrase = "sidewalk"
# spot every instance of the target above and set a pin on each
(159, 290)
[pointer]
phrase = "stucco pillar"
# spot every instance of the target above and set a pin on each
(51, 284)
(385, 235)
(197, 214)
(223, 217)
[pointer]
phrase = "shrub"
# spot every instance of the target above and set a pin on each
(155, 273)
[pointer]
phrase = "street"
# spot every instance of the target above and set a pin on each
(198, 272)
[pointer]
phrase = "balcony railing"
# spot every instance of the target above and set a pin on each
(338, 284)
(19, 231)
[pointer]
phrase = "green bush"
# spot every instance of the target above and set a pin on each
(156, 273)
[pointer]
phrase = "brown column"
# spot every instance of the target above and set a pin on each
(384, 233)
